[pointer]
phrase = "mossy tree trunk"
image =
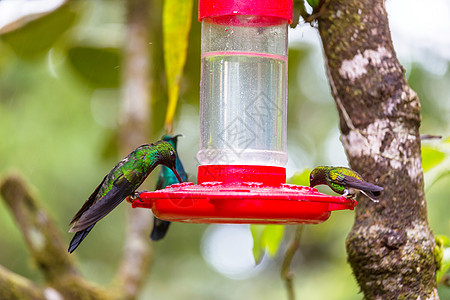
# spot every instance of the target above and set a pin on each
(390, 247)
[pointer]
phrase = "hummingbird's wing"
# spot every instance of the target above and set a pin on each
(120, 190)
(352, 182)
(89, 202)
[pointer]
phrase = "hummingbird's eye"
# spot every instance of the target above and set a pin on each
(172, 154)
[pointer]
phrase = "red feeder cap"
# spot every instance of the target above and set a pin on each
(274, 8)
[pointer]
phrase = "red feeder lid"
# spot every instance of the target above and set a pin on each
(242, 195)
(274, 8)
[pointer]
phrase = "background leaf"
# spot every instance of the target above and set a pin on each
(436, 162)
(266, 239)
(271, 238)
(98, 66)
(313, 3)
(37, 37)
(442, 255)
(177, 18)
(258, 250)
(301, 177)
(431, 157)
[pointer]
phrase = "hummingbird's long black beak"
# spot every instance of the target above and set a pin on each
(174, 170)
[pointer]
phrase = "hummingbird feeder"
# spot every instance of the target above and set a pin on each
(243, 111)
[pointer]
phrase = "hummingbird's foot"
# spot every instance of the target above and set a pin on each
(134, 197)
(139, 195)
(352, 197)
(347, 195)
(131, 198)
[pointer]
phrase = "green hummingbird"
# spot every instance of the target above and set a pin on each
(166, 177)
(120, 183)
(344, 181)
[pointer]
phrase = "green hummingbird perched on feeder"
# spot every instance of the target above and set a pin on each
(344, 181)
(121, 182)
(166, 177)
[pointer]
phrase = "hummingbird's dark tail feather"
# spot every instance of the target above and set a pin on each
(102, 207)
(160, 228)
(78, 238)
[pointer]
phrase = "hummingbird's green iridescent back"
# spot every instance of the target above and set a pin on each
(136, 166)
(335, 176)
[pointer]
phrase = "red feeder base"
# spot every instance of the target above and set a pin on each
(244, 194)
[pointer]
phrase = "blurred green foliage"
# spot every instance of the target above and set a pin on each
(442, 260)
(97, 66)
(38, 36)
(58, 128)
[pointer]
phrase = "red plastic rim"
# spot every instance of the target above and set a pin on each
(274, 8)
(267, 175)
(244, 202)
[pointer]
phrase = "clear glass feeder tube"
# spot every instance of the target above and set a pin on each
(243, 93)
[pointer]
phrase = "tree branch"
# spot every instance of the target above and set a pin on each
(45, 243)
(135, 129)
(41, 234)
(13, 286)
(286, 273)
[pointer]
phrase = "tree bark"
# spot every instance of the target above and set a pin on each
(390, 247)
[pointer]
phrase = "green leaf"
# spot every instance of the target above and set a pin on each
(271, 238)
(445, 266)
(298, 7)
(301, 177)
(37, 37)
(266, 238)
(431, 157)
(98, 66)
(442, 240)
(313, 3)
(441, 256)
(436, 174)
(258, 250)
(436, 161)
(177, 18)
